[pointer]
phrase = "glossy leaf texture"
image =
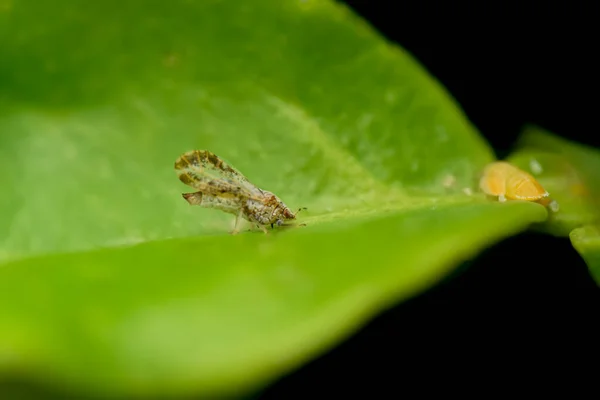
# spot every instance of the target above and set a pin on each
(569, 171)
(110, 283)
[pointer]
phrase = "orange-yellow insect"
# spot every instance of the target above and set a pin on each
(511, 183)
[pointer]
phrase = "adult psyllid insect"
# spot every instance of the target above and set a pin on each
(508, 182)
(223, 187)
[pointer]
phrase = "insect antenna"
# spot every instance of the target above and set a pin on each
(300, 209)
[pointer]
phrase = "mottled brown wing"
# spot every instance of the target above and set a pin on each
(206, 172)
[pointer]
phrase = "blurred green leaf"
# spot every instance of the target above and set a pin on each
(586, 241)
(584, 160)
(111, 283)
(560, 178)
(569, 172)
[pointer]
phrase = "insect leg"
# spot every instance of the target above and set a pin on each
(290, 225)
(236, 227)
(502, 198)
(264, 229)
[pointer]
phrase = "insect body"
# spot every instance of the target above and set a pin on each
(223, 187)
(509, 182)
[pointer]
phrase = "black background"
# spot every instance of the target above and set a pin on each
(527, 307)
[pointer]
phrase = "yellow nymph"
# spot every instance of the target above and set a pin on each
(508, 182)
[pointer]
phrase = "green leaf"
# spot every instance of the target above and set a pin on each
(586, 241)
(583, 159)
(565, 186)
(111, 283)
(569, 171)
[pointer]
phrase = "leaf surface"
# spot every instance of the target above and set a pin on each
(111, 283)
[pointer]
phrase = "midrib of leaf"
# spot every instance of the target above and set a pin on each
(386, 206)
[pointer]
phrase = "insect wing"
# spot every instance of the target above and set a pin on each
(206, 172)
(225, 202)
